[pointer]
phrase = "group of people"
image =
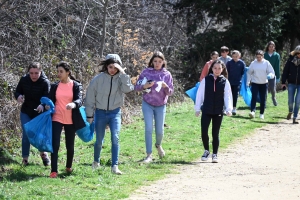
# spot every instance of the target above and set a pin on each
(103, 101)
(220, 82)
(216, 96)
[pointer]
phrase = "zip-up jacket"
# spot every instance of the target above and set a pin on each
(213, 93)
(156, 96)
(33, 92)
(291, 72)
(106, 92)
(77, 119)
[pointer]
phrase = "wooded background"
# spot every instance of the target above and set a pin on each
(83, 31)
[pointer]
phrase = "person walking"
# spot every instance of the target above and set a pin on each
(259, 72)
(66, 95)
(104, 98)
(235, 68)
(274, 58)
(291, 79)
(156, 82)
(213, 93)
(214, 56)
(29, 91)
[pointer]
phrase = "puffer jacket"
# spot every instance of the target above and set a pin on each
(291, 72)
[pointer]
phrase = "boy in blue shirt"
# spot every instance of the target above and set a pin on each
(235, 68)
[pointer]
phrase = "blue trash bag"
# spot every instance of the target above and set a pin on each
(192, 93)
(86, 134)
(245, 91)
(39, 129)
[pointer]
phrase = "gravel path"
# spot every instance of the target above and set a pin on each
(265, 165)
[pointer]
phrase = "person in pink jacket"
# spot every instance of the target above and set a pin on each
(214, 56)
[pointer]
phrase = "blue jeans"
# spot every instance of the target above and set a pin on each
(25, 141)
(159, 113)
(260, 89)
(113, 119)
(292, 98)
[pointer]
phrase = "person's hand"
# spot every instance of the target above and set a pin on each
(229, 114)
(197, 113)
(121, 70)
(90, 120)
(283, 87)
(39, 109)
(70, 106)
(20, 98)
(269, 77)
(277, 80)
(148, 85)
(164, 85)
(47, 107)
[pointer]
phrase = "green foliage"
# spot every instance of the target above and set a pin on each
(182, 143)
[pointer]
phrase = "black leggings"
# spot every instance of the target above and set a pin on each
(70, 139)
(216, 124)
(235, 89)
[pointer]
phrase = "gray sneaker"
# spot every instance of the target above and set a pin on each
(214, 158)
(205, 155)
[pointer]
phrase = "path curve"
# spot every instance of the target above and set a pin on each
(264, 165)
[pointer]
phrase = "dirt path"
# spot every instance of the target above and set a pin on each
(265, 165)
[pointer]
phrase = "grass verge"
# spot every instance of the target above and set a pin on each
(182, 144)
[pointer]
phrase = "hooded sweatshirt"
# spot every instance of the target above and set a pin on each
(33, 92)
(156, 95)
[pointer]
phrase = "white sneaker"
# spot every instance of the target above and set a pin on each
(95, 165)
(261, 116)
(214, 158)
(161, 152)
(148, 159)
(115, 170)
(252, 114)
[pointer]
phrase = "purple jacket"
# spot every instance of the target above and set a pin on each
(154, 96)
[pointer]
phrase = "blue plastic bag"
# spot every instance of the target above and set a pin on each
(192, 93)
(246, 91)
(86, 134)
(39, 129)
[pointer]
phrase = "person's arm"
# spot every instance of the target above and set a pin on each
(19, 89)
(139, 86)
(200, 96)
(126, 85)
(286, 71)
(228, 97)
(204, 71)
(249, 74)
(277, 68)
(90, 99)
(78, 95)
(270, 71)
(169, 82)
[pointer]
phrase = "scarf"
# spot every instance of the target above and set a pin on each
(296, 61)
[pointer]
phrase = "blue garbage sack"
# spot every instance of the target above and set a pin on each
(192, 93)
(39, 129)
(86, 134)
(246, 91)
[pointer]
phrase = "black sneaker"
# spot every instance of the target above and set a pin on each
(45, 159)
(205, 155)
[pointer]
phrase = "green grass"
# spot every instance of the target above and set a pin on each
(182, 144)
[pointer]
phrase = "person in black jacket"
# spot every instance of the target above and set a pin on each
(67, 98)
(30, 89)
(291, 75)
(213, 93)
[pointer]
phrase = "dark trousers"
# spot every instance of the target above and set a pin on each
(260, 89)
(216, 124)
(69, 138)
(235, 89)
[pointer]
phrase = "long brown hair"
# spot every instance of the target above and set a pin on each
(224, 71)
(158, 54)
